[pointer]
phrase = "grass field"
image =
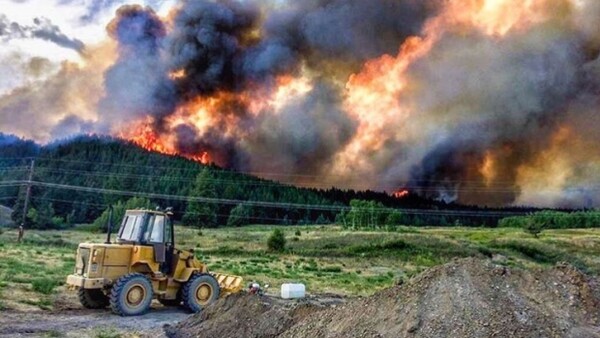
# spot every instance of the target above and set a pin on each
(325, 258)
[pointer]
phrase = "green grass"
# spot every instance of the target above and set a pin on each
(107, 333)
(325, 258)
(53, 334)
(44, 285)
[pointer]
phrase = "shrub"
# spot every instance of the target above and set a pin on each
(276, 241)
(393, 220)
(44, 285)
(334, 269)
(239, 216)
(535, 227)
(298, 233)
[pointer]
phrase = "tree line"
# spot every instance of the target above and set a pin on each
(106, 163)
(549, 219)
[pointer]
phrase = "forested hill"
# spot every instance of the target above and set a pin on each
(115, 165)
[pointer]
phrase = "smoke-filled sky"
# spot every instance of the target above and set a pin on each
(491, 102)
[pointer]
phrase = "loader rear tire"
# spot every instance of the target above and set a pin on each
(199, 291)
(131, 295)
(92, 298)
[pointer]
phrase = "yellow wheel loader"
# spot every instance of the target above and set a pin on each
(143, 265)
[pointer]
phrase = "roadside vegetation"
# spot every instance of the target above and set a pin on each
(326, 258)
(553, 220)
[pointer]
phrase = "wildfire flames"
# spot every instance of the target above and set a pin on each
(401, 193)
(142, 134)
(478, 101)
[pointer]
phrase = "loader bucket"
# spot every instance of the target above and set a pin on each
(229, 284)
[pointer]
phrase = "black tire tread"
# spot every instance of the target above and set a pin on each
(115, 305)
(186, 293)
(92, 298)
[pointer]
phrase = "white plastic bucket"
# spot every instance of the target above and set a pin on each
(292, 291)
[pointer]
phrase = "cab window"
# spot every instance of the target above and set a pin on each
(158, 229)
(131, 228)
(155, 229)
(168, 232)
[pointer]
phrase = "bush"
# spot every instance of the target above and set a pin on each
(535, 227)
(393, 220)
(44, 285)
(298, 233)
(276, 241)
(239, 216)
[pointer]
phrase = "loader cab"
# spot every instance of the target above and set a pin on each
(150, 228)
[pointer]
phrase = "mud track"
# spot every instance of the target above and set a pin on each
(86, 323)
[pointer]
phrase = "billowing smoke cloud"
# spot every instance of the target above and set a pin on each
(55, 101)
(484, 102)
(137, 84)
(42, 29)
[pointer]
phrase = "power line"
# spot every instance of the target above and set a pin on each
(279, 205)
(481, 189)
(222, 171)
(105, 206)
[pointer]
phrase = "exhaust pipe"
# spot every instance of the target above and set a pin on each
(109, 224)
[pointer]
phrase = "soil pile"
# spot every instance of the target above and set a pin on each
(465, 298)
(243, 315)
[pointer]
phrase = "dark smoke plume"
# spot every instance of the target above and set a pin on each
(481, 102)
(42, 29)
(137, 84)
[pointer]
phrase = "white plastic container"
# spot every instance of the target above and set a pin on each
(293, 291)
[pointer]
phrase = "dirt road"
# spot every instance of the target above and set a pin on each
(86, 323)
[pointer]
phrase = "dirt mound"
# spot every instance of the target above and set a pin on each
(465, 298)
(243, 315)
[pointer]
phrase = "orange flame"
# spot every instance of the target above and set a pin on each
(401, 193)
(143, 135)
(225, 109)
(379, 95)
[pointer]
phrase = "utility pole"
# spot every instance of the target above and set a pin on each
(28, 191)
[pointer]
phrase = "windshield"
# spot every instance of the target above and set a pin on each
(132, 225)
(155, 231)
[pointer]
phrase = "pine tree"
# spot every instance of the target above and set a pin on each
(239, 216)
(202, 214)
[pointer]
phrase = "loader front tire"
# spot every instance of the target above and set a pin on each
(92, 298)
(200, 291)
(131, 295)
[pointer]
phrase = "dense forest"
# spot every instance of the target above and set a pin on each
(117, 171)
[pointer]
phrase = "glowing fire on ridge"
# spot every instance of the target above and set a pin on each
(142, 134)
(225, 108)
(401, 193)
